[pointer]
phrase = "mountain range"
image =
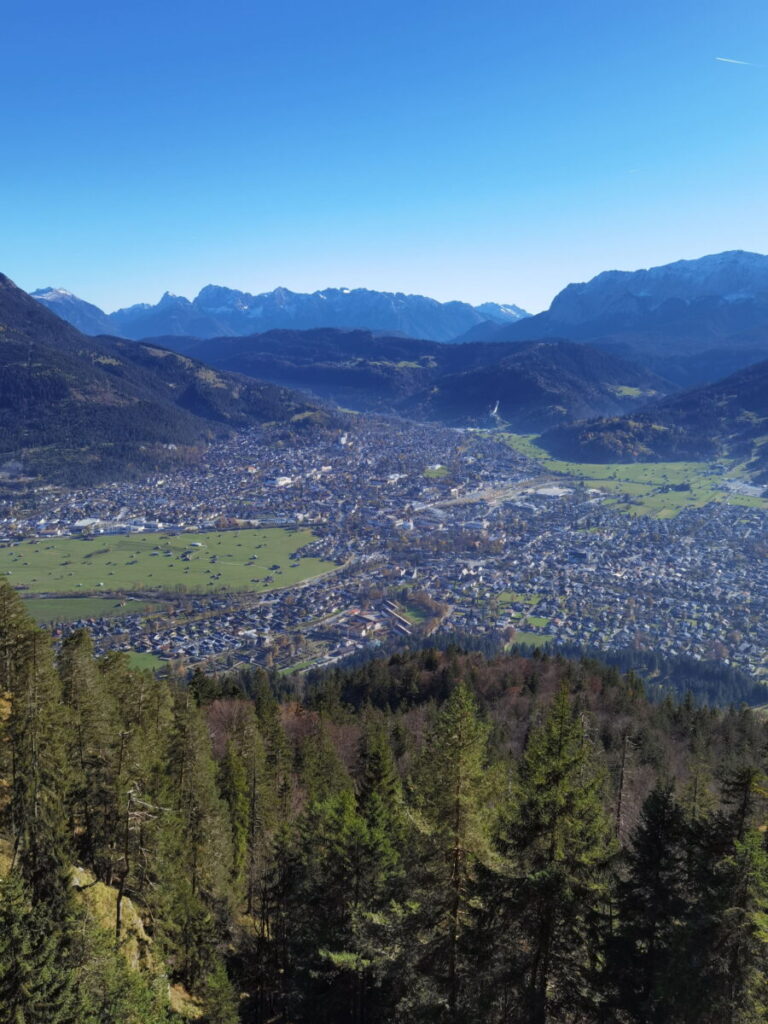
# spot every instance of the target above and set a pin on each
(689, 321)
(532, 385)
(218, 312)
(78, 409)
(621, 343)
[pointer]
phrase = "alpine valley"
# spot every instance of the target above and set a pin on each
(366, 659)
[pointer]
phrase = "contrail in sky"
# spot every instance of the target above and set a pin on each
(730, 60)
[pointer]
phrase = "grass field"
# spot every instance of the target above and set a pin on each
(530, 639)
(198, 563)
(413, 612)
(145, 660)
(72, 609)
(513, 597)
(642, 488)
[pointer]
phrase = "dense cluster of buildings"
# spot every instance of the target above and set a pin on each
(431, 529)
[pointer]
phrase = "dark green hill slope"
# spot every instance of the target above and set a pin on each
(541, 384)
(536, 384)
(728, 419)
(74, 408)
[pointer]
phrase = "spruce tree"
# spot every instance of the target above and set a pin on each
(646, 956)
(37, 982)
(194, 863)
(94, 739)
(219, 997)
(233, 785)
(112, 991)
(555, 893)
(39, 740)
(452, 800)
(729, 942)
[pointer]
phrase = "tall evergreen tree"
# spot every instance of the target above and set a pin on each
(37, 980)
(39, 740)
(195, 853)
(646, 956)
(730, 943)
(94, 737)
(452, 799)
(559, 845)
(233, 784)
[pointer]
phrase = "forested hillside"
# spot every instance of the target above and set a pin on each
(724, 420)
(535, 385)
(75, 409)
(432, 837)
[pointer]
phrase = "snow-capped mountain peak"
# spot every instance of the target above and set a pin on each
(218, 311)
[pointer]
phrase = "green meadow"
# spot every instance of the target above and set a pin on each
(190, 563)
(514, 597)
(529, 639)
(72, 609)
(142, 660)
(642, 488)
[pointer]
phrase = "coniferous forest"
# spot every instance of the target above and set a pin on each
(430, 837)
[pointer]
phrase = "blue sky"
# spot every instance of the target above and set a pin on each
(476, 150)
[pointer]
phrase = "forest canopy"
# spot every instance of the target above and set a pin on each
(432, 836)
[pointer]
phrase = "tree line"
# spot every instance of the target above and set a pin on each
(435, 836)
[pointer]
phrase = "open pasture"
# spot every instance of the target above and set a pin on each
(75, 609)
(188, 563)
(658, 489)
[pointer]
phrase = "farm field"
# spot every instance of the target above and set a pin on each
(149, 661)
(72, 609)
(514, 597)
(530, 639)
(658, 489)
(191, 563)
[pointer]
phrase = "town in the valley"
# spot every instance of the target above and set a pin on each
(424, 530)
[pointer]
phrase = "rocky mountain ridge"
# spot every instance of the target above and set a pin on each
(219, 311)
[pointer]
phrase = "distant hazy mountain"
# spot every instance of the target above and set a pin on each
(726, 419)
(534, 385)
(77, 408)
(218, 311)
(681, 309)
(85, 317)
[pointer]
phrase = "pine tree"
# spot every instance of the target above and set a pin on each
(39, 739)
(647, 960)
(110, 990)
(219, 997)
(730, 944)
(337, 874)
(452, 798)
(276, 748)
(744, 796)
(195, 854)
(233, 785)
(322, 772)
(555, 896)
(94, 732)
(380, 791)
(36, 976)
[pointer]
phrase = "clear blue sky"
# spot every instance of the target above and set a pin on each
(475, 150)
